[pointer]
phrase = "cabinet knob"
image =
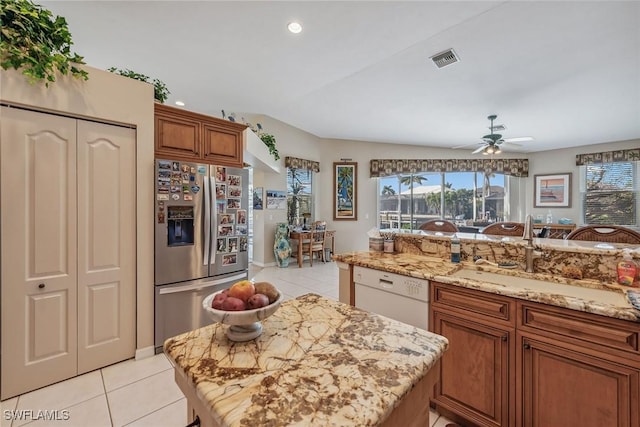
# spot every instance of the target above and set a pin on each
(526, 346)
(41, 285)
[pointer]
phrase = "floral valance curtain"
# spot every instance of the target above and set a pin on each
(609, 157)
(387, 167)
(295, 163)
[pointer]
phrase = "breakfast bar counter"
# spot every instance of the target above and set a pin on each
(318, 362)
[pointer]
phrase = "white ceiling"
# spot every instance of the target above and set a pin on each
(566, 73)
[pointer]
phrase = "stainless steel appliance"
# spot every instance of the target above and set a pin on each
(201, 240)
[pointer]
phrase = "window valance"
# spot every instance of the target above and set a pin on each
(386, 167)
(295, 163)
(630, 155)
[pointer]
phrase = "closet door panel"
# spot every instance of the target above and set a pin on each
(106, 244)
(39, 273)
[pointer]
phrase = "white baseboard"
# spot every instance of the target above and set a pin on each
(143, 353)
(260, 264)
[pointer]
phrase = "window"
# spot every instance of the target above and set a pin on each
(299, 196)
(610, 193)
(406, 201)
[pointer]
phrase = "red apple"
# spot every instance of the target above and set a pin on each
(233, 304)
(243, 290)
(257, 301)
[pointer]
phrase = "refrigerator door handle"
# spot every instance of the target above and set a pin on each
(207, 221)
(214, 217)
(177, 289)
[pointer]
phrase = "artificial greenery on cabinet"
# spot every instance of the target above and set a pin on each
(160, 90)
(36, 42)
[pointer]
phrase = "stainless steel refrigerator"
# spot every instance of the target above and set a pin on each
(201, 240)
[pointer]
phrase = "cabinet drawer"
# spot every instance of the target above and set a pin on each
(495, 307)
(578, 326)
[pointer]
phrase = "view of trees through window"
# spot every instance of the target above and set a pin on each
(610, 195)
(406, 201)
(299, 196)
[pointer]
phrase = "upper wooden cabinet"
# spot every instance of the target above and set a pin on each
(181, 134)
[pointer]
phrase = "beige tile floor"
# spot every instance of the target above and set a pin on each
(143, 392)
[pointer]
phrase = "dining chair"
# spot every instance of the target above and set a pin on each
(315, 245)
(439, 225)
(605, 233)
(504, 229)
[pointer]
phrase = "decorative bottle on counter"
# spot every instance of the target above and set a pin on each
(455, 249)
(281, 246)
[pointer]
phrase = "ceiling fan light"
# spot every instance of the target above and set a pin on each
(497, 150)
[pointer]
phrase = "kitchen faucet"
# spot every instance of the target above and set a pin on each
(530, 253)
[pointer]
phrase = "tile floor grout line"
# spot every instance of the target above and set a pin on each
(139, 379)
(152, 412)
(106, 397)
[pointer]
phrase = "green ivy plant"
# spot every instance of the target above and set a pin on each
(270, 141)
(36, 42)
(160, 90)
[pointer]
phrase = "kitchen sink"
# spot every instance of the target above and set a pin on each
(612, 297)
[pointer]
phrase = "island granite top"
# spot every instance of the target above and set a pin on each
(317, 362)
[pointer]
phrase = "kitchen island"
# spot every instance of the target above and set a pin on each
(318, 362)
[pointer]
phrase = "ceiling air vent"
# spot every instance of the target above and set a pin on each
(445, 58)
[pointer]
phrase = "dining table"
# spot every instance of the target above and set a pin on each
(302, 235)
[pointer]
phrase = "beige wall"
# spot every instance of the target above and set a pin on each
(110, 98)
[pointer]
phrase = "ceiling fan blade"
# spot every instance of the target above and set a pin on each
(511, 144)
(465, 146)
(479, 149)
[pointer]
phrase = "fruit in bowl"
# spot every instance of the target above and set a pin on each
(244, 316)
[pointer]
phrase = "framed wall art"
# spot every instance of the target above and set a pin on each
(345, 193)
(258, 198)
(276, 199)
(552, 191)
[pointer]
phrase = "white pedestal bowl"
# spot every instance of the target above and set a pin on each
(244, 325)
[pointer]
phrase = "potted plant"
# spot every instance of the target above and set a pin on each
(160, 90)
(36, 42)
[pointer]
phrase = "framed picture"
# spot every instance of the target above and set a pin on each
(345, 194)
(258, 198)
(276, 199)
(552, 191)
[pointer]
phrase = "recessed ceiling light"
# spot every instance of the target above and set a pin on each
(294, 27)
(180, 103)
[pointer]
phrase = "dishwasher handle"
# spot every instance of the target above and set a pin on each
(386, 284)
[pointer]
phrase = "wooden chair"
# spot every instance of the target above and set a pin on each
(605, 233)
(439, 225)
(505, 229)
(315, 245)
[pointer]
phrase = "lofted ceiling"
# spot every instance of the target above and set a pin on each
(564, 72)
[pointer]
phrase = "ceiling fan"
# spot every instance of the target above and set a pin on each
(491, 143)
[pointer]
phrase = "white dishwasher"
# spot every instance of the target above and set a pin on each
(392, 295)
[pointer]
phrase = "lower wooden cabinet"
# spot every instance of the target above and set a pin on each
(561, 387)
(517, 363)
(474, 373)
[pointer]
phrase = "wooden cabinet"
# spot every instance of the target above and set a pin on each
(476, 371)
(181, 134)
(68, 248)
(513, 362)
(576, 368)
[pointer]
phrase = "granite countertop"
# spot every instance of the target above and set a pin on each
(317, 362)
(611, 300)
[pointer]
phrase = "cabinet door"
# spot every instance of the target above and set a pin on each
(561, 387)
(222, 145)
(106, 244)
(177, 136)
(38, 174)
(474, 380)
